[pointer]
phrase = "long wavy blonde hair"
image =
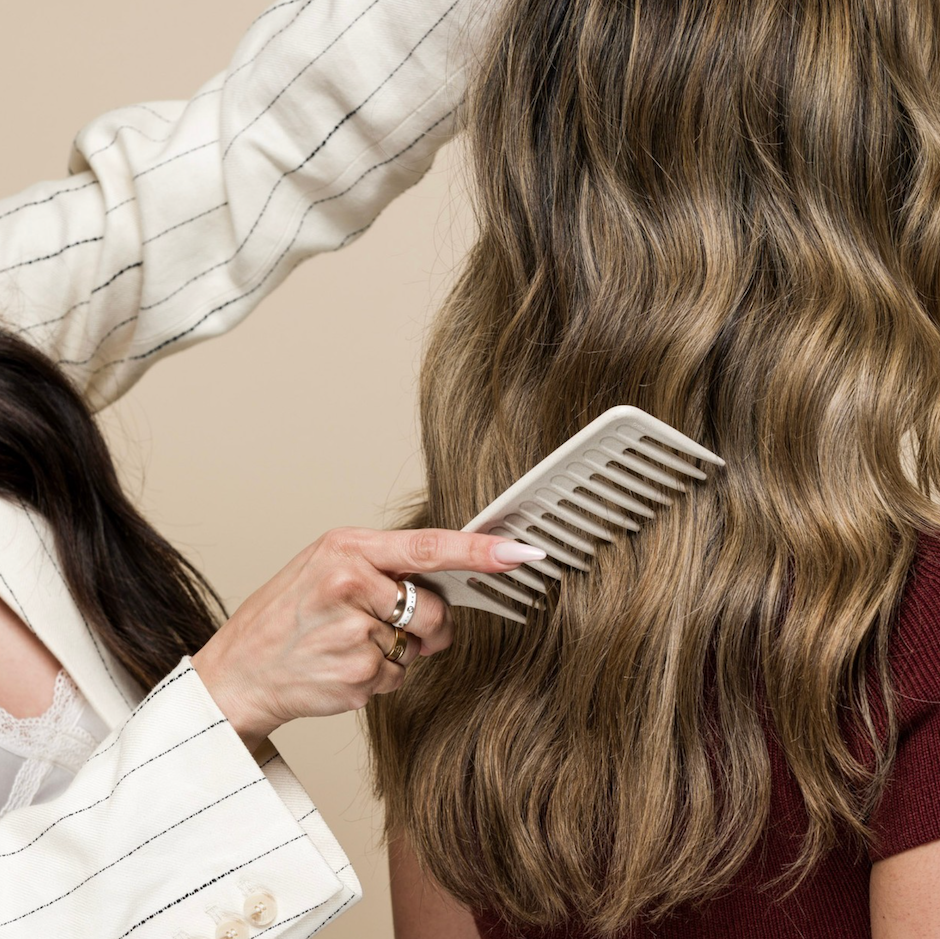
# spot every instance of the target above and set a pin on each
(727, 214)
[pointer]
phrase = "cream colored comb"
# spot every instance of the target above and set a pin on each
(585, 484)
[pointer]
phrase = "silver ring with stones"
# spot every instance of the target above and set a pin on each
(411, 601)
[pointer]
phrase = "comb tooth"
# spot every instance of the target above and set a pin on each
(657, 430)
(507, 530)
(527, 578)
(573, 518)
(495, 604)
(602, 487)
(619, 497)
(668, 459)
(514, 591)
(629, 481)
(644, 469)
(566, 487)
(539, 540)
(553, 528)
(562, 554)
(546, 566)
(458, 589)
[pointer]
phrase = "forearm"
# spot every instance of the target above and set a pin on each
(182, 216)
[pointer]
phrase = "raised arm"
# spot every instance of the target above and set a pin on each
(179, 217)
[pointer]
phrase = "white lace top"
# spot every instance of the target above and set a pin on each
(40, 755)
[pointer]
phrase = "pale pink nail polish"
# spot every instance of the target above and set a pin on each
(511, 552)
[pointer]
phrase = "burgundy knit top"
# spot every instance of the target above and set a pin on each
(832, 902)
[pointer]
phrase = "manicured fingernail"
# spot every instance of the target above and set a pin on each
(511, 552)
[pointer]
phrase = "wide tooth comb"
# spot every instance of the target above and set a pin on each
(577, 485)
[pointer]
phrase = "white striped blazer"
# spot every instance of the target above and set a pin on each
(176, 220)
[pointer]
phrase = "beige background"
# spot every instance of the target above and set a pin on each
(245, 449)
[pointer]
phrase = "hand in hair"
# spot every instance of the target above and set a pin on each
(312, 641)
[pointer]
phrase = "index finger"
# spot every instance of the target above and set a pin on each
(426, 550)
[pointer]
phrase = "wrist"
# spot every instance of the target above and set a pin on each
(251, 741)
(233, 703)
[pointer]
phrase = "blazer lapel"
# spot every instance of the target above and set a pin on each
(32, 584)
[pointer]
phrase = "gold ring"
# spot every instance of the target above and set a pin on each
(400, 645)
(399, 603)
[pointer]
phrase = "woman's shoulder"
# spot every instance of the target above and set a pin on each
(915, 643)
(918, 617)
(908, 814)
(927, 558)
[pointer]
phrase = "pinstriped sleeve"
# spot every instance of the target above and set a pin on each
(167, 830)
(179, 218)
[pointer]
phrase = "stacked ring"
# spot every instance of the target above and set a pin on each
(400, 646)
(400, 603)
(401, 617)
(405, 607)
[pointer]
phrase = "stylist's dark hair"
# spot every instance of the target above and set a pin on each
(145, 601)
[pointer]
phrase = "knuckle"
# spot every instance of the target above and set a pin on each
(441, 636)
(425, 546)
(360, 632)
(480, 551)
(439, 614)
(434, 616)
(342, 584)
(342, 541)
(359, 635)
(365, 670)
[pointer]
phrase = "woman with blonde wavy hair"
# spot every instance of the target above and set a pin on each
(727, 214)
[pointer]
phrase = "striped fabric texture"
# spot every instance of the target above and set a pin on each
(179, 218)
(176, 220)
(170, 823)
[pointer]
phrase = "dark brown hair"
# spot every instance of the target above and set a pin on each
(144, 599)
(727, 214)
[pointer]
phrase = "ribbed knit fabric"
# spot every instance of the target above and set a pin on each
(833, 902)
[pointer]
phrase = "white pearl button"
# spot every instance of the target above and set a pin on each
(232, 928)
(261, 909)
